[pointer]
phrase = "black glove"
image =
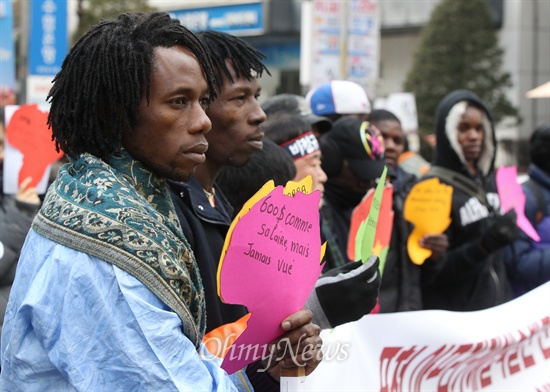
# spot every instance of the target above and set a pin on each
(504, 231)
(345, 293)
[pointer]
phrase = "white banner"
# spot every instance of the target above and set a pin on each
(505, 348)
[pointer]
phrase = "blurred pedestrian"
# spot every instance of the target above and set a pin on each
(528, 261)
(353, 159)
(412, 162)
(16, 215)
(400, 289)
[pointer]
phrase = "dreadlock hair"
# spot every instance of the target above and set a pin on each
(246, 60)
(97, 93)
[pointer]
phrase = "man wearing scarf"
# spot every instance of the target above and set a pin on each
(107, 295)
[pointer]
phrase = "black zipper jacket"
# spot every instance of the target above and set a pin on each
(465, 279)
(205, 228)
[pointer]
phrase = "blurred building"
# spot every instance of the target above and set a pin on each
(273, 26)
(524, 34)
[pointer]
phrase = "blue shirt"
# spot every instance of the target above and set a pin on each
(75, 322)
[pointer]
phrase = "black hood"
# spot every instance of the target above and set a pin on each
(448, 152)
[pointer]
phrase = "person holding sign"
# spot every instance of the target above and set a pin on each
(400, 289)
(353, 158)
(471, 275)
(356, 283)
(528, 261)
(107, 294)
(202, 209)
(353, 282)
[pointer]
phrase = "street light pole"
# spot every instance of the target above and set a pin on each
(23, 57)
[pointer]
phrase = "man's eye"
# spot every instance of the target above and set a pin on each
(205, 102)
(180, 101)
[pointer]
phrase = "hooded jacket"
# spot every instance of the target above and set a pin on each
(529, 261)
(465, 278)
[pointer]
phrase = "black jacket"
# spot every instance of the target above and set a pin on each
(205, 228)
(465, 279)
(339, 203)
(400, 290)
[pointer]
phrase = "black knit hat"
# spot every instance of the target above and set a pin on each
(361, 144)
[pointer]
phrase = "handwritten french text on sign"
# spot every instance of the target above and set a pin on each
(271, 265)
(505, 348)
(428, 208)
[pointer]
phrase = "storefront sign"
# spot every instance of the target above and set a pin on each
(48, 38)
(237, 19)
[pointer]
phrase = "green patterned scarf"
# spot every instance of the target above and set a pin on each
(121, 213)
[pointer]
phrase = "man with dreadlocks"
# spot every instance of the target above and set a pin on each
(204, 212)
(107, 295)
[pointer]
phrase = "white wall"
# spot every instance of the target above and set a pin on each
(396, 58)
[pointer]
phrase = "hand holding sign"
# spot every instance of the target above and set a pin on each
(428, 208)
(270, 263)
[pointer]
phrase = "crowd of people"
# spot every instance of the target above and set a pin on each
(112, 277)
